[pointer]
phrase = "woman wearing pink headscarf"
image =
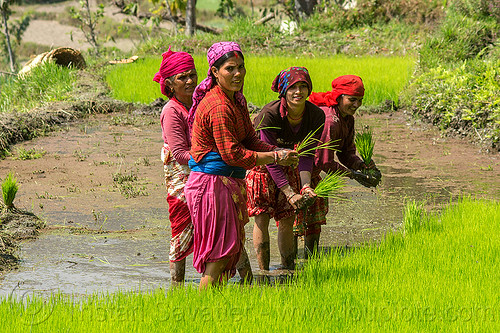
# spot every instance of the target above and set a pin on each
(224, 146)
(178, 78)
(339, 105)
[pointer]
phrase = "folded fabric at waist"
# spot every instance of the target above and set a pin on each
(212, 163)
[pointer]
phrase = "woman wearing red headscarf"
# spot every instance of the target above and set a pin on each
(339, 106)
(178, 78)
(276, 191)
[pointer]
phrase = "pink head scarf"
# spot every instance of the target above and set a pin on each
(343, 85)
(173, 63)
(215, 51)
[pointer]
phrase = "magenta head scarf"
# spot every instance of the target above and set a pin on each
(173, 63)
(215, 51)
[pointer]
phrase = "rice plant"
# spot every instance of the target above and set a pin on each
(385, 76)
(330, 185)
(310, 144)
(9, 190)
(423, 281)
(365, 143)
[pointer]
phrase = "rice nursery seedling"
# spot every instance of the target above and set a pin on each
(442, 278)
(384, 77)
(310, 144)
(29, 154)
(364, 144)
(429, 280)
(9, 190)
(330, 185)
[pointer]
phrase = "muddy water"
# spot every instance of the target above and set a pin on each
(105, 236)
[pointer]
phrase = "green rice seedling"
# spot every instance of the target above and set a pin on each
(425, 281)
(330, 185)
(9, 190)
(259, 128)
(365, 143)
(385, 76)
(304, 147)
(29, 154)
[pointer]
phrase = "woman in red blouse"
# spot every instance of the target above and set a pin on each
(224, 146)
(339, 105)
(178, 78)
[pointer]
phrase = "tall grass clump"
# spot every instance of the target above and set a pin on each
(427, 280)
(384, 77)
(44, 83)
(9, 190)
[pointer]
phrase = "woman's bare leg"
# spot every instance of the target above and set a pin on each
(286, 242)
(177, 272)
(213, 271)
(311, 244)
(261, 240)
(244, 268)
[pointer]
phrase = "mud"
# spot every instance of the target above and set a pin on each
(106, 233)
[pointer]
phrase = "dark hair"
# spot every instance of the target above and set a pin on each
(226, 56)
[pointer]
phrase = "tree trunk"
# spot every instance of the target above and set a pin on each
(7, 39)
(305, 8)
(190, 17)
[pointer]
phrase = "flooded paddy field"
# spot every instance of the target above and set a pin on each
(98, 186)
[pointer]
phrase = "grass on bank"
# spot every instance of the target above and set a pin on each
(45, 83)
(442, 273)
(384, 77)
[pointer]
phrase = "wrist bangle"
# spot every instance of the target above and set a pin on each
(275, 157)
(302, 190)
(288, 197)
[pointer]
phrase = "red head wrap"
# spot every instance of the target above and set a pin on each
(173, 63)
(351, 85)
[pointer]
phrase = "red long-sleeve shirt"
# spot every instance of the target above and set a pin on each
(341, 129)
(221, 126)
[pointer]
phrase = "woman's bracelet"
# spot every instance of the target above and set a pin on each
(275, 157)
(302, 190)
(288, 197)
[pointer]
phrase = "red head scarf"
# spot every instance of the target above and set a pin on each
(173, 63)
(343, 85)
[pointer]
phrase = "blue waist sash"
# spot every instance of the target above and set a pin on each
(213, 164)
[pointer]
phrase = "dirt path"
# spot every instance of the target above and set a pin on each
(105, 232)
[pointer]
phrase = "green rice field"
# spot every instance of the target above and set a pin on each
(384, 77)
(440, 273)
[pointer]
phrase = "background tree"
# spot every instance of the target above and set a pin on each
(88, 20)
(190, 17)
(5, 11)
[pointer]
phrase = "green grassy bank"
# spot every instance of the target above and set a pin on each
(384, 77)
(441, 273)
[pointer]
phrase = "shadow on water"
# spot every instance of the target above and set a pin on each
(97, 241)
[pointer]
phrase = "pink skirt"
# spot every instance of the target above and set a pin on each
(218, 212)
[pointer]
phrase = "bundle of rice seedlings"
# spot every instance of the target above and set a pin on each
(9, 190)
(365, 143)
(330, 185)
(304, 147)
